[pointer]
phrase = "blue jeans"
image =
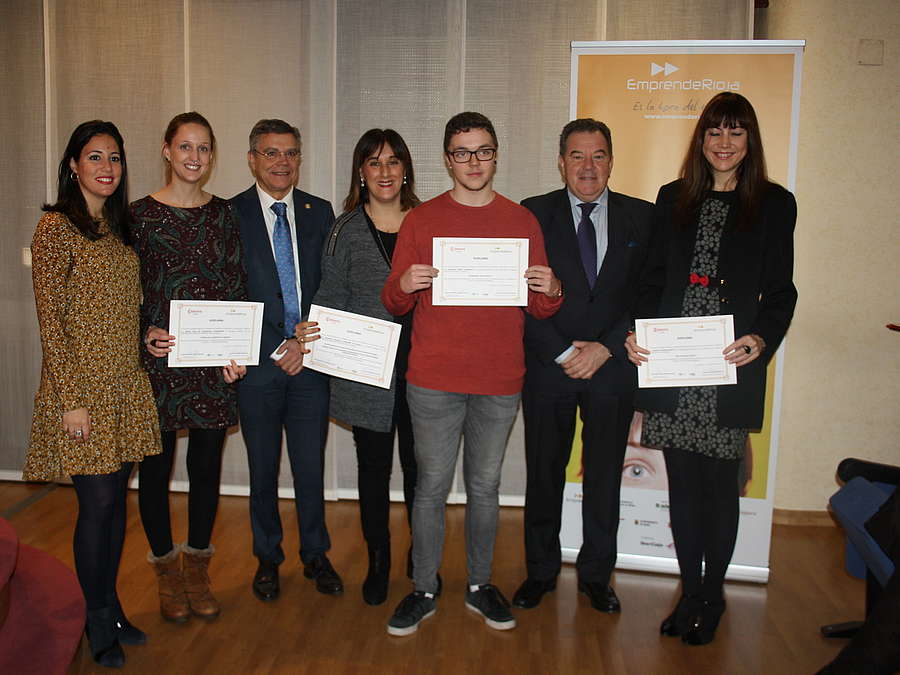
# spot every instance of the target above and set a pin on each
(440, 419)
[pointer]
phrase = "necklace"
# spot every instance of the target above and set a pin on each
(378, 239)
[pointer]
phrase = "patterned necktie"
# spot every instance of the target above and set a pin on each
(587, 243)
(284, 262)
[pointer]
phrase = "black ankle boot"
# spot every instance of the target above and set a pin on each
(128, 633)
(102, 638)
(375, 587)
(704, 629)
(683, 617)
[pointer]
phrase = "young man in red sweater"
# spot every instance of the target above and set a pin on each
(466, 368)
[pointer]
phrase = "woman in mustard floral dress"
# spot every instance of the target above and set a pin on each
(94, 414)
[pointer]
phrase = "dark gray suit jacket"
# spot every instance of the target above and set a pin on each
(601, 313)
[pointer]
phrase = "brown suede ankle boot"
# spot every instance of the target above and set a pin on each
(195, 563)
(173, 603)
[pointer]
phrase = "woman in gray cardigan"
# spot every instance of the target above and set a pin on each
(355, 264)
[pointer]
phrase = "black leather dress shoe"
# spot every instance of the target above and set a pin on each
(531, 591)
(603, 597)
(327, 580)
(265, 581)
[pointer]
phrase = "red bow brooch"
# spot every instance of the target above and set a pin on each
(697, 279)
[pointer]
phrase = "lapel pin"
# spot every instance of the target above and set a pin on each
(306, 205)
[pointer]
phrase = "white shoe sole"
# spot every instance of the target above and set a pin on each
(496, 625)
(408, 630)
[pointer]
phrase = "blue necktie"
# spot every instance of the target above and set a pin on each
(587, 243)
(284, 262)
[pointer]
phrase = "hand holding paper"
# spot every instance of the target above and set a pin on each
(482, 272)
(213, 333)
(353, 346)
(684, 351)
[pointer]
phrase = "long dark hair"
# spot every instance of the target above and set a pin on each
(69, 199)
(370, 143)
(180, 120)
(727, 110)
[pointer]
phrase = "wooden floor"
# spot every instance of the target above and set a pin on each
(767, 629)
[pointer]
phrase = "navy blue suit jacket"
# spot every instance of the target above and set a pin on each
(600, 313)
(314, 218)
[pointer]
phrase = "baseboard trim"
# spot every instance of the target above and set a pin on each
(800, 517)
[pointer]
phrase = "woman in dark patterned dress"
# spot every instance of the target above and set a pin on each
(723, 244)
(189, 246)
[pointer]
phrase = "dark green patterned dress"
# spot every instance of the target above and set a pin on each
(694, 424)
(187, 254)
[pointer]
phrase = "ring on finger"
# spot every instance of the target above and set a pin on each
(748, 349)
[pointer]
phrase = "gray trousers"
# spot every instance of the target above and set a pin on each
(440, 419)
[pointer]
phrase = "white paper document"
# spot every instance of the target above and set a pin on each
(213, 333)
(686, 352)
(353, 346)
(480, 271)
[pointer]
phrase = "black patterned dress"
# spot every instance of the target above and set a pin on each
(693, 426)
(187, 254)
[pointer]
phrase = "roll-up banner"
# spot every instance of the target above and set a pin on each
(651, 94)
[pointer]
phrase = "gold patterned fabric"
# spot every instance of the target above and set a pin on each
(87, 295)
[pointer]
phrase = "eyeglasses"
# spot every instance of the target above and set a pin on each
(463, 156)
(291, 155)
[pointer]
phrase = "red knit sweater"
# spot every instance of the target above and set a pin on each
(467, 350)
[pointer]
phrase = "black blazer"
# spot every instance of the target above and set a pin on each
(313, 220)
(755, 285)
(601, 313)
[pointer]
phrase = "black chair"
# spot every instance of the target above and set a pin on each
(868, 486)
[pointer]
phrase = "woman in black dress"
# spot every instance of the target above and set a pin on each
(723, 244)
(189, 246)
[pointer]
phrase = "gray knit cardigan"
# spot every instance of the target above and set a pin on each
(354, 268)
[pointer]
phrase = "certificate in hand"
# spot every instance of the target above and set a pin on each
(353, 346)
(213, 333)
(480, 271)
(686, 352)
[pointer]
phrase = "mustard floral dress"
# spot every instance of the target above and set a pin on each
(87, 295)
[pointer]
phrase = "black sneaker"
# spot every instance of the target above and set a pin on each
(490, 603)
(410, 612)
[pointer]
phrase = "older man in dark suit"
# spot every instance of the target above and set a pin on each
(596, 242)
(283, 232)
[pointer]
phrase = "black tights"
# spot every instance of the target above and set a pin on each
(204, 466)
(375, 457)
(99, 534)
(704, 508)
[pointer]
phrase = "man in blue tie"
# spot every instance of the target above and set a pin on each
(597, 242)
(283, 231)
